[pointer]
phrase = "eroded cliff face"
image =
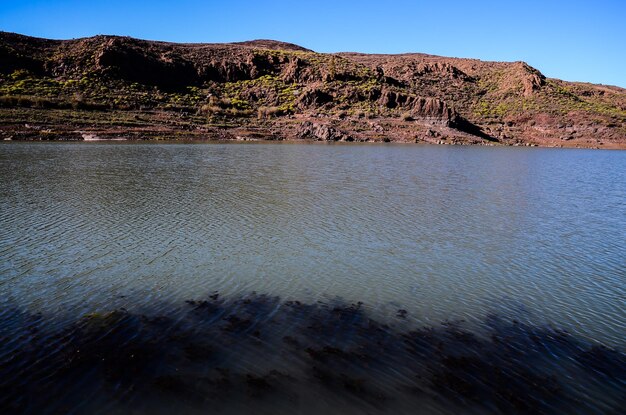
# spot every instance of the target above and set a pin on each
(280, 90)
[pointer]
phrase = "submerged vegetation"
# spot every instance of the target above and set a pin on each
(261, 352)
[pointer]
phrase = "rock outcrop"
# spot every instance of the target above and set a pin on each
(322, 132)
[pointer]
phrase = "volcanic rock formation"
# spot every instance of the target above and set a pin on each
(110, 86)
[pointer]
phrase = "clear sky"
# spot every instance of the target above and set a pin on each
(572, 40)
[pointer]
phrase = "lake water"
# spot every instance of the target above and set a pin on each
(240, 249)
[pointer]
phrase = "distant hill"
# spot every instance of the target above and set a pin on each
(112, 86)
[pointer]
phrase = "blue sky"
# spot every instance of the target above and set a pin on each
(572, 40)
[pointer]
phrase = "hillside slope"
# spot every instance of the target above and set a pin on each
(110, 86)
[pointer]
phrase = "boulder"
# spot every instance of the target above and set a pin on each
(322, 132)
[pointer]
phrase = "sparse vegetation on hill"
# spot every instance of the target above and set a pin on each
(110, 86)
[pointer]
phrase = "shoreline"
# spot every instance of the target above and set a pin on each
(201, 138)
(89, 126)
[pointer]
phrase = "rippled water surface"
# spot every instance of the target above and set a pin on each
(349, 249)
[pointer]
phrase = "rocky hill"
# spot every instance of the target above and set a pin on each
(120, 87)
